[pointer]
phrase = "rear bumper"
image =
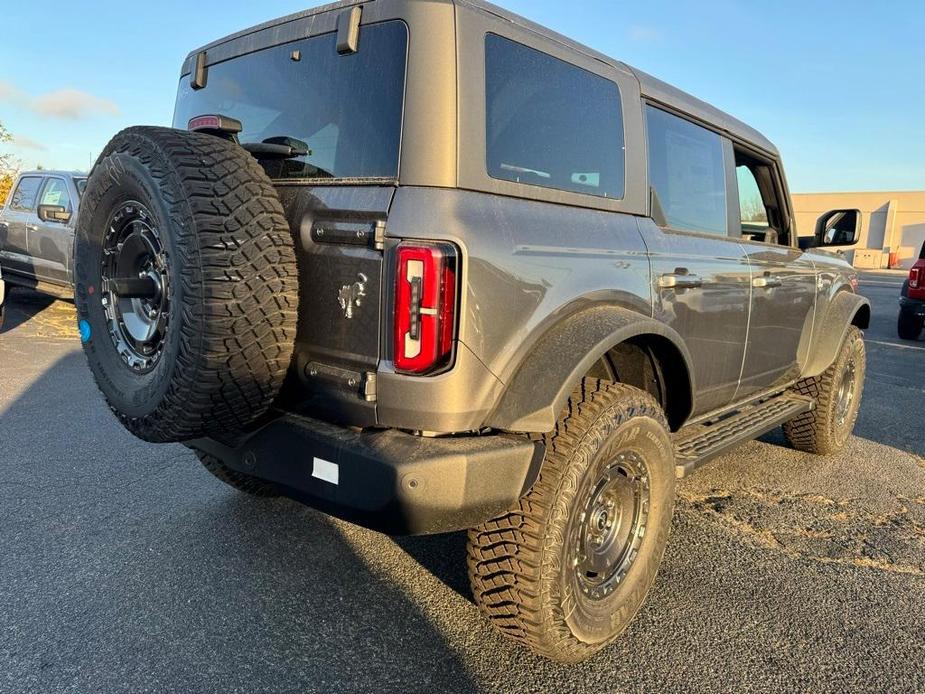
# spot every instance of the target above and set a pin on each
(914, 306)
(387, 480)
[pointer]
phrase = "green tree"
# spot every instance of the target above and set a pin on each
(9, 165)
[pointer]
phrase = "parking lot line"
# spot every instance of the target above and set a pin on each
(896, 345)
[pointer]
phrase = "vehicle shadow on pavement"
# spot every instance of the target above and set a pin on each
(22, 305)
(444, 556)
(126, 566)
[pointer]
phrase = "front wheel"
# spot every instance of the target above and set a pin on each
(565, 571)
(837, 392)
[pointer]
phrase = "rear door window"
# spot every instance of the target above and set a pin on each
(23, 198)
(551, 123)
(687, 171)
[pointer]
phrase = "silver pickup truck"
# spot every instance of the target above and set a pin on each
(37, 230)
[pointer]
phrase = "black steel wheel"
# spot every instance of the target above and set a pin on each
(565, 571)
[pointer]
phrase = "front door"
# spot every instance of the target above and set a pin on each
(50, 243)
(701, 277)
(783, 279)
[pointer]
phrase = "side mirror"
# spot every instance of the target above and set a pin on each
(53, 213)
(838, 228)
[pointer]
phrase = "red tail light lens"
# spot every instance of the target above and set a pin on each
(914, 277)
(425, 307)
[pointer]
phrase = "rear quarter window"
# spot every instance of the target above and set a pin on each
(550, 123)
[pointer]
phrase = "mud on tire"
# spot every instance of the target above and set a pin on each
(527, 567)
(186, 284)
(837, 392)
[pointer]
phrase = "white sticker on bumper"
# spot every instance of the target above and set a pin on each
(325, 470)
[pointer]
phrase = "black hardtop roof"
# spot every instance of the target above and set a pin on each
(651, 88)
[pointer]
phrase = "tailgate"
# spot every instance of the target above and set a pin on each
(339, 241)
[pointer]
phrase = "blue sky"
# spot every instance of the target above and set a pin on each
(837, 86)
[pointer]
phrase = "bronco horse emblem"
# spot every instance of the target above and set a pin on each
(350, 295)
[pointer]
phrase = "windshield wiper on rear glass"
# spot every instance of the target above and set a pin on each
(282, 148)
(277, 148)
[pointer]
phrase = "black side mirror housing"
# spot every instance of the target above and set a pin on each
(53, 213)
(837, 228)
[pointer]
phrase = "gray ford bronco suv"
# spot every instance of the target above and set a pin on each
(426, 266)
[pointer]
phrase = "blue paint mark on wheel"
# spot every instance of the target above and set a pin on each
(84, 328)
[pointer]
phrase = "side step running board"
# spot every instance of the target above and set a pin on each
(696, 444)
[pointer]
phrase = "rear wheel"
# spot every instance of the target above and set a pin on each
(243, 483)
(837, 393)
(909, 325)
(186, 284)
(565, 571)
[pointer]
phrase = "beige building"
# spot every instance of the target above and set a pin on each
(892, 224)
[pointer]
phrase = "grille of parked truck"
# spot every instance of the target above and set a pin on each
(426, 266)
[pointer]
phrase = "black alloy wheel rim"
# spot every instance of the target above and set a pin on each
(135, 286)
(606, 540)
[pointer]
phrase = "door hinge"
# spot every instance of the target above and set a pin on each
(368, 387)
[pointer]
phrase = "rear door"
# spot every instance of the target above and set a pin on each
(783, 277)
(50, 243)
(699, 268)
(19, 221)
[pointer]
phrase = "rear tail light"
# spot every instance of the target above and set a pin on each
(914, 277)
(425, 307)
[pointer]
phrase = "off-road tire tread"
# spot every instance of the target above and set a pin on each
(810, 431)
(505, 554)
(240, 280)
(240, 481)
(909, 327)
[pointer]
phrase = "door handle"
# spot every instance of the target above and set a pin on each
(31, 227)
(679, 280)
(766, 282)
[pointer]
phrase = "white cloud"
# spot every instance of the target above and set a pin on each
(66, 104)
(644, 34)
(28, 143)
(73, 104)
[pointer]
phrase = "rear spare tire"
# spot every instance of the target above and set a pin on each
(186, 284)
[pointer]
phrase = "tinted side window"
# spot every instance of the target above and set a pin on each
(55, 193)
(687, 171)
(26, 192)
(550, 123)
(752, 211)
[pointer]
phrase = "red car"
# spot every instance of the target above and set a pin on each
(912, 301)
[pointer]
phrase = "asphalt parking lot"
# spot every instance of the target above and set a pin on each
(125, 567)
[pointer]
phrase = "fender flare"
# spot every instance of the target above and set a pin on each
(541, 386)
(845, 310)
